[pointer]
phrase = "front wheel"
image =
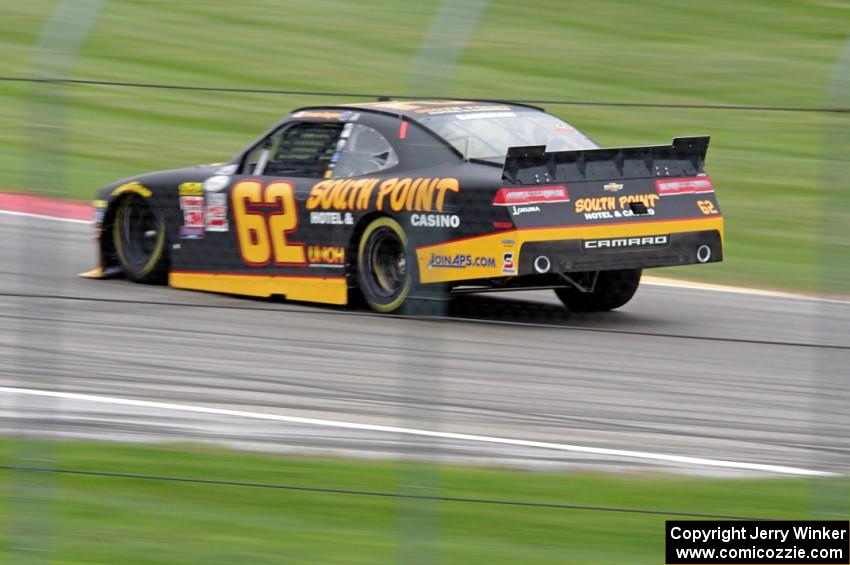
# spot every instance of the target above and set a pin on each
(384, 265)
(139, 236)
(613, 289)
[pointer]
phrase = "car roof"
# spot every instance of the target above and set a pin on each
(416, 109)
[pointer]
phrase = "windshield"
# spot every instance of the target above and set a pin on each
(488, 135)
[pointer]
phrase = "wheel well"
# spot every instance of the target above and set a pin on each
(109, 257)
(108, 253)
(355, 297)
(354, 242)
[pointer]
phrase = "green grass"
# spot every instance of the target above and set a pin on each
(769, 167)
(120, 520)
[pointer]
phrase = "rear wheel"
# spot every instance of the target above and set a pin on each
(139, 237)
(613, 289)
(384, 265)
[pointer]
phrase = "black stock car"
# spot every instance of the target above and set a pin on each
(392, 199)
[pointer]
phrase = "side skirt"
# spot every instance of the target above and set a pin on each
(328, 290)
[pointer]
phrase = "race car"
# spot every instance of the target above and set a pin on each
(399, 201)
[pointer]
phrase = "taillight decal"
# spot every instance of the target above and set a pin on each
(531, 195)
(692, 185)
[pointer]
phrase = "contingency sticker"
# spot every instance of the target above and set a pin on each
(193, 217)
(340, 145)
(216, 220)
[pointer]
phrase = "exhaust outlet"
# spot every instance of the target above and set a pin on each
(703, 253)
(542, 264)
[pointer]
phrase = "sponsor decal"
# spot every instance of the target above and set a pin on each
(707, 207)
(531, 195)
(331, 218)
(216, 216)
(340, 145)
(436, 107)
(216, 183)
(396, 194)
(484, 115)
(672, 187)
(625, 242)
(186, 232)
(435, 220)
(602, 207)
(191, 189)
(519, 210)
(217, 219)
(349, 116)
(193, 217)
(341, 194)
(508, 264)
(612, 187)
(615, 214)
(326, 255)
(461, 261)
(133, 187)
(321, 115)
(449, 109)
(189, 202)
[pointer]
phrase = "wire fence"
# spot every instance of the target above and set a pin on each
(383, 494)
(323, 490)
(388, 96)
(31, 525)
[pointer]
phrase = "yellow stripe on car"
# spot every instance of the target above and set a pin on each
(496, 244)
(330, 290)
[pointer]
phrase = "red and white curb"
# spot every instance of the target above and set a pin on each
(35, 206)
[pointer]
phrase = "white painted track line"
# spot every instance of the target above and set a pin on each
(44, 217)
(620, 453)
(690, 285)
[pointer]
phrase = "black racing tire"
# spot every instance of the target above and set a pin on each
(385, 265)
(613, 289)
(138, 234)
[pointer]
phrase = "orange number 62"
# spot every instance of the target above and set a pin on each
(707, 207)
(261, 235)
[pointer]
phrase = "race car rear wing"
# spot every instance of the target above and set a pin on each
(531, 165)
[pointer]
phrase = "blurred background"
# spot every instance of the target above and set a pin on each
(756, 384)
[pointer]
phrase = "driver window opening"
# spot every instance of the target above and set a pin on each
(301, 149)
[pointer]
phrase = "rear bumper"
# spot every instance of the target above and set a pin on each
(600, 254)
(512, 253)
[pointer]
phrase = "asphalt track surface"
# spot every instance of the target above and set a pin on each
(751, 380)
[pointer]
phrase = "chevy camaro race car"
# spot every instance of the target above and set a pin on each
(396, 202)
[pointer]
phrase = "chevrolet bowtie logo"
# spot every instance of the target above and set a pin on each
(613, 187)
